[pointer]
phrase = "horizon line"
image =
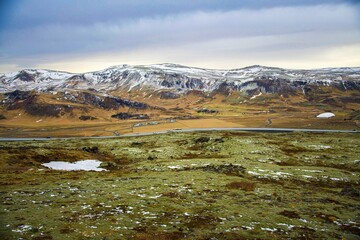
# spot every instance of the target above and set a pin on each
(181, 66)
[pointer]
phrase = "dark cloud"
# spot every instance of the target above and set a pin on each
(30, 13)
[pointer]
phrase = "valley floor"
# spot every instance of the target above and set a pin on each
(69, 128)
(203, 185)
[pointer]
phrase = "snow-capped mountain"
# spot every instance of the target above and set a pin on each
(181, 79)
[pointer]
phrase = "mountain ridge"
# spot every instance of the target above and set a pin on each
(177, 77)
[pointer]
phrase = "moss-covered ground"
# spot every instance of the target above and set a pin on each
(204, 185)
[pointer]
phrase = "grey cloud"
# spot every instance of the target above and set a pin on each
(79, 28)
(31, 13)
(178, 29)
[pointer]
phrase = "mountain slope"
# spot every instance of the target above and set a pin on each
(181, 79)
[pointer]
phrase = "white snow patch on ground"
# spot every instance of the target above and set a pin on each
(289, 226)
(175, 167)
(22, 228)
(312, 171)
(255, 96)
(307, 176)
(326, 115)
(269, 229)
(320, 147)
(85, 165)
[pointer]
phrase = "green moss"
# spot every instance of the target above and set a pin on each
(290, 186)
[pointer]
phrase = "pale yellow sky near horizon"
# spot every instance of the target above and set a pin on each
(346, 56)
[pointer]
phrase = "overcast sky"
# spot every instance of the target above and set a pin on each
(87, 35)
